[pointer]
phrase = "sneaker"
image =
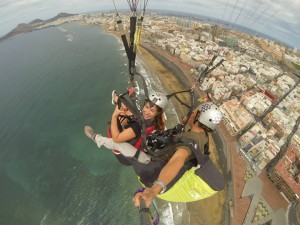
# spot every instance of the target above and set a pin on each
(114, 96)
(90, 133)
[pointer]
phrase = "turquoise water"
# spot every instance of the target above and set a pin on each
(50, 87)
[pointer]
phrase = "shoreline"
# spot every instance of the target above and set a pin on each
(155, 67)
(167, 79)
(173, 77)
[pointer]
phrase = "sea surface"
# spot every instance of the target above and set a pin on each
(53, 82)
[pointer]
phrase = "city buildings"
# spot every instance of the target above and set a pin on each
(256, 87)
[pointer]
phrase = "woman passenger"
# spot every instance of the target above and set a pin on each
(126, 134)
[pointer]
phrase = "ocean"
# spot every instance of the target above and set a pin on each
(53, 82)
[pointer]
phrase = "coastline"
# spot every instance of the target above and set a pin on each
(167, 79)
(173, 77)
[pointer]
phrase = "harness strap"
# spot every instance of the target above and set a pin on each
(137, 35)
(123, 37)
(132, 54)
(190, 107)
(134, 108)
(130, 107)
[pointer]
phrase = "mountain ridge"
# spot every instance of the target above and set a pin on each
(31, 26)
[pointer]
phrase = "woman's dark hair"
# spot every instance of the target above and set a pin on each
(159, 123)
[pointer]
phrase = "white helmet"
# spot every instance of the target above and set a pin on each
(210, 115)
(158, 99)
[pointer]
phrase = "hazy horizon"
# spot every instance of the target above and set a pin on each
(275, 18)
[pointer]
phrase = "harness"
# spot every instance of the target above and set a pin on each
(137, 143)
(140, 140)
(148, 173)
(159, 143)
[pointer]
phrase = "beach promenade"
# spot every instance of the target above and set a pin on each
(252, 197)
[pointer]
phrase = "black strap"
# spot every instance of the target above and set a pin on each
(137, 154)
(147, 210)
(132, 54)
(181, 126)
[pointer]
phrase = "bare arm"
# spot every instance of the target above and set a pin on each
(167, 174)
(118, 136)
(171, 169)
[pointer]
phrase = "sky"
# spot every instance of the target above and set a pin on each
(276, 18)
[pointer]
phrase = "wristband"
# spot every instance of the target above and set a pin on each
(139, 190)
(164, 186)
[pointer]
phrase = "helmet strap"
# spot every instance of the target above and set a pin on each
(165, 116)
(196, 117)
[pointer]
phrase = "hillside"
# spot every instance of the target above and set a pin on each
(24, 27)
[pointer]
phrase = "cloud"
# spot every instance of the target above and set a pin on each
(270, 16)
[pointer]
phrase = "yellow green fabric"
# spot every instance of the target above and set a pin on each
(188, 188)
(137, 37)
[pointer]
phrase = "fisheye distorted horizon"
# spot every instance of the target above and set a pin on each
(276, 18)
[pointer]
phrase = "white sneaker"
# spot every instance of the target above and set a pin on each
(90, 133)
(114, 94)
